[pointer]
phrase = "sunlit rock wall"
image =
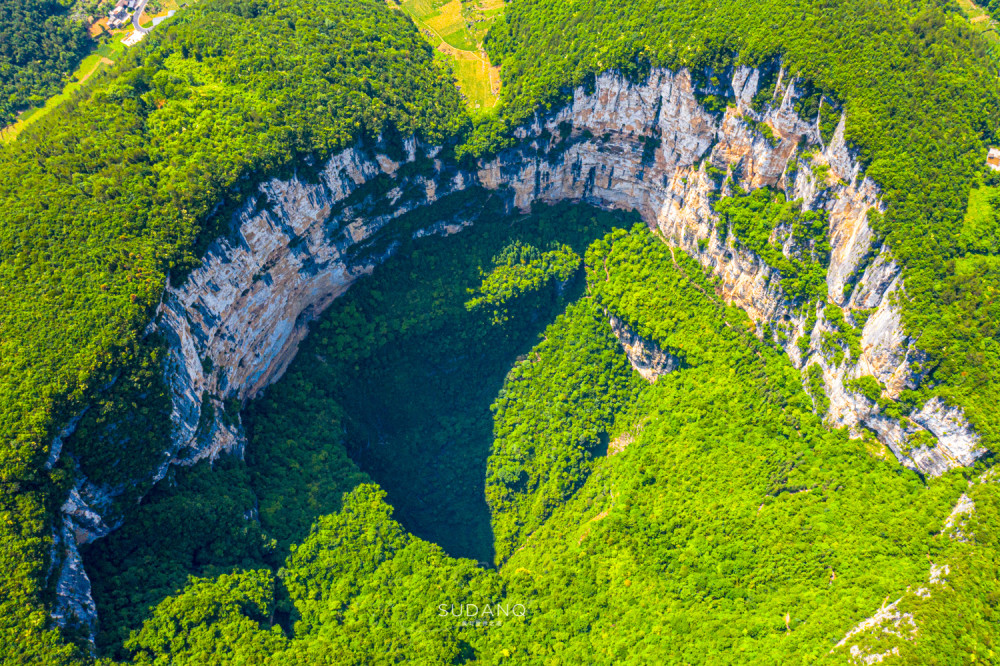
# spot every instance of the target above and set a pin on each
(233, 325)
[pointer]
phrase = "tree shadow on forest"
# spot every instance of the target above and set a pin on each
(423, 432)
(397, 376)
(419, 423)
(417, 410)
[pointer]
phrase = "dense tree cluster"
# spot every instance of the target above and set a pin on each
(731, 525)
(920, 92)
(521, 269)
(991, 6)
(763, 221)
(551, 418)
(39, 45)
(400, 374)
(192, 524)
(106, 195)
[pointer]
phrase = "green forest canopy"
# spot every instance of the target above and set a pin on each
(398, 373)
(733, 528)
(108, 194)
(921, 96)
(104, 196)
(991, 6)
(39, 45)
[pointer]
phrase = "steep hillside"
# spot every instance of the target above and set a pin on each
(991, 6)
(234, 326)
(39, 45)
(920, 95)
(104, 197)
(725, 522)
(271, 306)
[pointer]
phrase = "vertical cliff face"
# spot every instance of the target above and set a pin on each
(604, 159)
(234, 324)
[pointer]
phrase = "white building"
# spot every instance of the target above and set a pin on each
(119, 17)
(993, 159)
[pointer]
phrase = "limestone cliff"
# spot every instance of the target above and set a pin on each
(233, 325)
(644, 355)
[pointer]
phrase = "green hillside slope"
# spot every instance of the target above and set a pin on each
(461, 427)
(731, 526)
(921, 96)
(39, 45)
(106, 195)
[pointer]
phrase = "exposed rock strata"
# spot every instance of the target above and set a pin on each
(645, 356)
(75, 604)
(234, 324)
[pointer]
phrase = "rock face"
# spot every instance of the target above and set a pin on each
(645, 356)
(234, 324)
(75, 605)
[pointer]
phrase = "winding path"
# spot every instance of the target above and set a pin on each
(137, 15)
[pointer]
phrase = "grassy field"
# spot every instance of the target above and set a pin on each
(103, 56)
(979, 215)
(977, 231)
(982, 22)
(980, 211)
(457, 32)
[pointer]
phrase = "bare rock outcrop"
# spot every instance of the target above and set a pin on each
(644, 355)
(234, 324)
(870, 641)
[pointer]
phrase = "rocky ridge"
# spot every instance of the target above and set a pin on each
(872, 640)
(234, 324)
